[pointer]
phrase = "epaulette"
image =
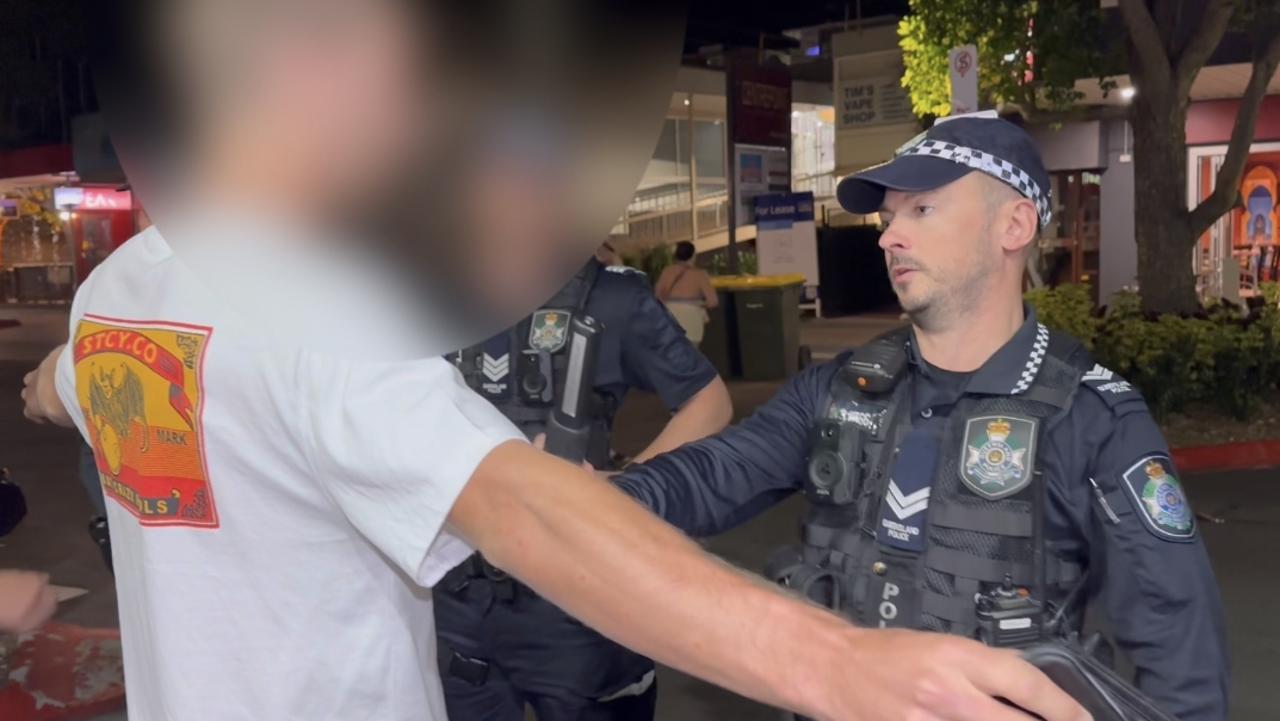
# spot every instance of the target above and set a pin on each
(1110, 387)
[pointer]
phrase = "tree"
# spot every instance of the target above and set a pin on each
(1169, 42)
(1020, 68)
(1030, 55)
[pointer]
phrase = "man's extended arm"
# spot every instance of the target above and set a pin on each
(708, 487)
(589, 550)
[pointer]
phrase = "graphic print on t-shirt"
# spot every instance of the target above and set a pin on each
(140, 386)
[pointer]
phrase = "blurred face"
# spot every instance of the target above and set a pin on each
(323, 95)
(939, 248)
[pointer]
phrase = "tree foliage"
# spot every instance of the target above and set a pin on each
(1030, 54)
(1170, 42)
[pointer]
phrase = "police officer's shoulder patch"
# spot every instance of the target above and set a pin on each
(1111, 388)
(1157, 495)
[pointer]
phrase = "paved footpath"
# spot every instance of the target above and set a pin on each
(53, 538)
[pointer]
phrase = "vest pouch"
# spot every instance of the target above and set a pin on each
(782, 563)
(819, 585)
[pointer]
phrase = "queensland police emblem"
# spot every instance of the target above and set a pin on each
(1160, 499)
(548, 330)
(998, 455)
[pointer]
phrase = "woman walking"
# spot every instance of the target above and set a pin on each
(686, 291)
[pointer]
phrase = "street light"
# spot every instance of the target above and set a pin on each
(1128, 93)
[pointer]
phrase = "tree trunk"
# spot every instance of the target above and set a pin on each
(1162, 222)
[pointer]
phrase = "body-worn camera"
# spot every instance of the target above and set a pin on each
(535, 380)
(835, 467)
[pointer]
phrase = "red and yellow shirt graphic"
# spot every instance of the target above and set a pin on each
(140, 386)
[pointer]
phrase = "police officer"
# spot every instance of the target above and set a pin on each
(502, 646)
(974, 473)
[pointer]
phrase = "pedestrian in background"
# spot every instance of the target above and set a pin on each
(686, 291)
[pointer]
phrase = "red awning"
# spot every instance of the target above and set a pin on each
(40, 160)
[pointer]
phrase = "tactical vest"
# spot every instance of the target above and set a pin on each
(522, 370)
(976, 536)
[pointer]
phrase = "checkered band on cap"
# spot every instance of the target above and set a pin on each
(997, 168)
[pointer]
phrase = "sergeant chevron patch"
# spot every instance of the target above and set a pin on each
(495, 369)
(905, 506)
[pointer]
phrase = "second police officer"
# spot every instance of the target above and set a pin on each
(975, 473)
(501, 645)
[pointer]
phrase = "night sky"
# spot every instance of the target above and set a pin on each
(739, 22)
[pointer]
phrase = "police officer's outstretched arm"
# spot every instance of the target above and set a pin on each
(590, 550)
(708, 487)
(657, 356)
(1155, 581)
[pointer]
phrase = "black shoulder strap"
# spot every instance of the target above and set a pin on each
(592, 274)
(1069, 350)
(1071, 353)
(577, 291)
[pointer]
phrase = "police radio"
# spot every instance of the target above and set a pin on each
(569, 427)
(1009, 617)
(876, 367)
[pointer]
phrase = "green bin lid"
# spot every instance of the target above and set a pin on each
(756, 282)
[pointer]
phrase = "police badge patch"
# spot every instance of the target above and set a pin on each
(999, 455)
(1158, 496)
(548, 330)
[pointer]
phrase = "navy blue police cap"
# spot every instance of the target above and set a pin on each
(950, 150)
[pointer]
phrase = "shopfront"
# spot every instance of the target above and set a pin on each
(1084, 171)
(52, 237)
(1240, 251)
(98, 220)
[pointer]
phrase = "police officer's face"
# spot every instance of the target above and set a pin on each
(937, 246)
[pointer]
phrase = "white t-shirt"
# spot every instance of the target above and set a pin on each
(275, 514)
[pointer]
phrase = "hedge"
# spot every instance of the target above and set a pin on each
(1219, 357)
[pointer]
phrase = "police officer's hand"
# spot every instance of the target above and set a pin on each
(936, 677)
(26, 601)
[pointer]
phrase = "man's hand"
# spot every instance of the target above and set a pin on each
(26, 601)
(936, 677)
(40, 396)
